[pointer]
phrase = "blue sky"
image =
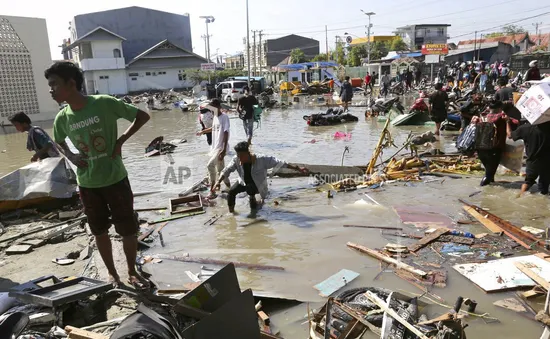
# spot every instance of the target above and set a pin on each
(304, 17)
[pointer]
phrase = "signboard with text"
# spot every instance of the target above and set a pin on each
(435, 49)
(208, 67)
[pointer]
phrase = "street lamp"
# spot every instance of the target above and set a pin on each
(368, 35)
(248, 46)
(208, 19)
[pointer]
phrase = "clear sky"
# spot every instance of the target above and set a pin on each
(304, 17)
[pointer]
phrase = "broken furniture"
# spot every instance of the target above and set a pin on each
(175, 203)
(60, 293)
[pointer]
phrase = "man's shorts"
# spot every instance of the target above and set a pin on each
(115, 201)
(438, 116)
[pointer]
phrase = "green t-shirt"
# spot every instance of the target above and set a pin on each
(93, 131)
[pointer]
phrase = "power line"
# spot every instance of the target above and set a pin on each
(506, 24)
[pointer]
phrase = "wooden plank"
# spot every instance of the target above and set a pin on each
(77, 333)
(335, 282)
(19, 249)
(263, 317)
(531, 293)
(533, 275)
(511, 304)
(146, 234)
(387, 259)
(490, 225)
(428, 239)
(374, 298)
(359, 316)
(444, 317)
(268, 335)
(376, 227)
(178, 216)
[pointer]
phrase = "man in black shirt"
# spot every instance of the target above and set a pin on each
(504, 93)
(245, 107)
(438, 107)
(537, 148)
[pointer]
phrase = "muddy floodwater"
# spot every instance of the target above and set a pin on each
(304, 232)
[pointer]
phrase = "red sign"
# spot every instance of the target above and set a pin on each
(435, 49)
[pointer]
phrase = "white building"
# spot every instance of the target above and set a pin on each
(417, 35)
(24, 55)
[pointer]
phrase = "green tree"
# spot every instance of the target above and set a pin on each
(379, 49)
(320, 57)
(356, 55)
(506, 30)
(397, 44)
(297, 56)
(340, 56)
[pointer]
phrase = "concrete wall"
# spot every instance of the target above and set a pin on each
(141, 27)
(278, 49)
(144, 82)
(187, 62)
(105, 48)
(107, 82)
(34, 34)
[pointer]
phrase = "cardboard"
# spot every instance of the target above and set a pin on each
(534, 104)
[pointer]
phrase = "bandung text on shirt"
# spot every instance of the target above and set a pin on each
(84, 123)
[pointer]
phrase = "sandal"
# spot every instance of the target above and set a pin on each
(138, 283)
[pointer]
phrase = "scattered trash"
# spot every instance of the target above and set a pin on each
(335, 282)
(63, 261)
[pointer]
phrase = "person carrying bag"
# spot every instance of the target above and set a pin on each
(490, 140)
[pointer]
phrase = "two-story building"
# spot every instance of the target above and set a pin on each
(417, 35)
(132, 49)
(270, 52)
(235, 61)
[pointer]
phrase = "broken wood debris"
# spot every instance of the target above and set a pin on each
(208, 261)
(175, 217)
(387, 259)
(510, 304)
(455, 239)
(533, 275)
(428, 239)
(77, 333)
(376, 227)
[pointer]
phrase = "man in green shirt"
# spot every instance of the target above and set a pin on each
(90, 122)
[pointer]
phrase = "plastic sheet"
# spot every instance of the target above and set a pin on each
(512, 157)
(51, 177)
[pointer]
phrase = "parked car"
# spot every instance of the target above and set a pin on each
(231, 91)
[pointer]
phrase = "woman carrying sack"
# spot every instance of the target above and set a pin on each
(490, 140)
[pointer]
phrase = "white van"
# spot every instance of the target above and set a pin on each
(231, 91)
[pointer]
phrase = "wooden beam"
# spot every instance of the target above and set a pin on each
(387, 259)
(77, 333)
(490, 225)
(264, 317)
(359, 317)
(380, 303)
(534, 276)
(428, 239)
(376, 227)
(444, 317)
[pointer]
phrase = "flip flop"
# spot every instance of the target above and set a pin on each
(139, 284)
(63, 261)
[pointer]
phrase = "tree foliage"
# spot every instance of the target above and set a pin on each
(397, 44)
(379, 49)
(356, 55)
(340, 56)
(320, 57)
(218, 75)
(506, 30)
(297, 56)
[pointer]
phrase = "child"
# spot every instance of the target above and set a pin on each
(38, 140)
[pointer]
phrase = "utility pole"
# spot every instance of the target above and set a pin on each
(537, 31)
(369, 14)
(260, 52)
(475, 46)
(254, 50)
(205, 46)
(248, 46)
(326, 42)
(208, 19)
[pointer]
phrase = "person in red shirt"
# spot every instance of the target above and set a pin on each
(368, 81)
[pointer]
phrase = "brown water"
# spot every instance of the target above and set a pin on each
(304, 232)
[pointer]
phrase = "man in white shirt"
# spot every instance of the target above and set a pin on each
(206, 119)
(220, 143)
(252, 170)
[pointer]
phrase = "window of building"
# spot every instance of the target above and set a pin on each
(182, 76)
(148, 73)
(133, 74)
(440, 31)
(154, 74)
(161, 73)
(134, 79)
(103, 77)
(116, 53)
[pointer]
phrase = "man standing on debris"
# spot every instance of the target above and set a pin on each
(439, 101)
(252, 170)
(537, 148)
(90, 122)
(220, 143)
(245, 107)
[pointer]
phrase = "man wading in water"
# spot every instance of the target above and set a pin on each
(90, 122)
(252, 170)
